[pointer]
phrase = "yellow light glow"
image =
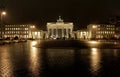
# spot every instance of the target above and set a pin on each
(93, 42)
(34, 61)
(95, 60)
(94, 26)
(94, 51)
(35, 33)
(3, 13)
(34, 43)
(32, 26)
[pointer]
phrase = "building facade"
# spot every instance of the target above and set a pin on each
(83, 34)
(60, 29)
(101, 31)
(21, 31)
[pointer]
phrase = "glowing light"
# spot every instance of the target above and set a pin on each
(34, 43)
(94, 26)
(32, 26)
(54, 38)
(3, 13)
(95, 60)
(35, 33)
(93, 42)
(94, 51)
(34, 62)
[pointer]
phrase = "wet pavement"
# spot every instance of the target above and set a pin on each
(25, 60)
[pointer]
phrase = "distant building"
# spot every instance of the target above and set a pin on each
(20, 31)
(83, 34)
(117, 35)
(60, 29)
(101, 31)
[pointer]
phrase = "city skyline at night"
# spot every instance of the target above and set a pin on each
(59, 38)
(39, 12)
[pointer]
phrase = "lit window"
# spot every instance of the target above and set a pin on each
(94, 26)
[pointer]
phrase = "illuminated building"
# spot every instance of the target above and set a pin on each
(117, 33)
(101, 31)
(82, 34)
(21, 31)
(60, 29)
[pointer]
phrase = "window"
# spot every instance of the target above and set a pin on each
(26, 28)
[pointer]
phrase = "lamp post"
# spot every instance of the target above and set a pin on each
(2, 13)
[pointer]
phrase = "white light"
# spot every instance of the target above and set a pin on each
(3, 13)
(93, 42)
(35, 33)
(32, 26)
(54, 38)
(34, 43)
(94, 26)
(94, 49)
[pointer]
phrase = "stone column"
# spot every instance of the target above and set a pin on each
(52, 32)
(67, 33)
(48, 32)
(62, 32)
(56, 33)
(71, 32)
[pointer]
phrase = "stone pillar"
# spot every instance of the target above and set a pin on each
(48, 33)
(71, 32)
(67, 33)
(62, 32)
(56, 33)
(52, 33)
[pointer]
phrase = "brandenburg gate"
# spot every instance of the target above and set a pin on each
(60, 29)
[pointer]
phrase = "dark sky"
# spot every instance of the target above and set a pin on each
(81, 12)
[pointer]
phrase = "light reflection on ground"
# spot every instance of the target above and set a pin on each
(25, 60)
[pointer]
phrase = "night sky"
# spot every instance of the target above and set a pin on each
(81, 12)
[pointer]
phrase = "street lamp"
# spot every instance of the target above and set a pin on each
(2, 13)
